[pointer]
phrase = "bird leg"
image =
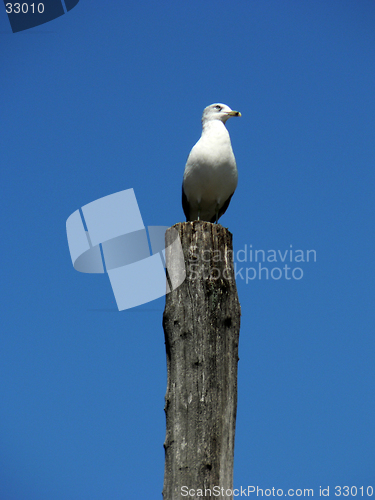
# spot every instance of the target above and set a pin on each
(217, 213)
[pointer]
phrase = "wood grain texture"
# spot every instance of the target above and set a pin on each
(201, 325)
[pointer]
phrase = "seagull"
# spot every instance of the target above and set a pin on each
(210, 176)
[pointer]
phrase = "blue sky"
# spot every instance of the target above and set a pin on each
(109, 97)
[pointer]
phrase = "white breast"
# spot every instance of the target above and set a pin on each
(210, 176)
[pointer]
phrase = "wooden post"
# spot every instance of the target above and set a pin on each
(201, 326)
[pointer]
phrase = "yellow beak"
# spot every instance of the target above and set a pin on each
(234, 113)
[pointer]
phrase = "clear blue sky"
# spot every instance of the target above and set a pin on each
(109, 97)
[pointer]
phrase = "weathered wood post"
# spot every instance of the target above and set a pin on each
(201, 326)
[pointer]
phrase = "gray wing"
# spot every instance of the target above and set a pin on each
(223, 209)
(185, 204)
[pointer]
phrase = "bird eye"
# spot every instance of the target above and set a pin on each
(219, 108)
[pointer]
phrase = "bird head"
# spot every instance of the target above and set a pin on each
(218, 111)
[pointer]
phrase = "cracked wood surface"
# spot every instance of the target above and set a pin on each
(201, 325)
